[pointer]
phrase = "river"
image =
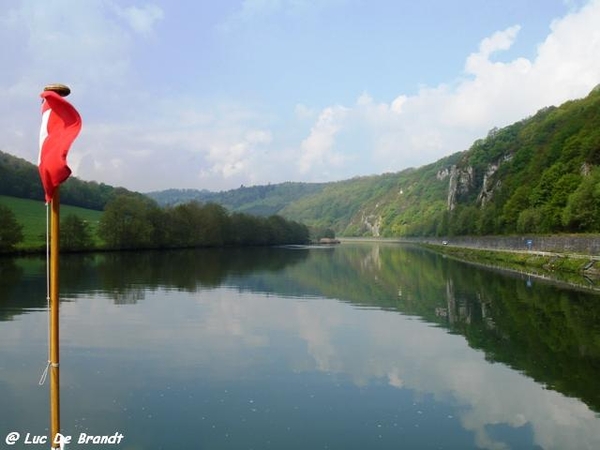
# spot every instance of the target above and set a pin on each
(357, 346)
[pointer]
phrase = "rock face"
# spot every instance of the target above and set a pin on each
(373, 224)
(487, 188)
(465, 183)
(444, 173)
(462, 182)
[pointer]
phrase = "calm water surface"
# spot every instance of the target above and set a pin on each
(362, 346)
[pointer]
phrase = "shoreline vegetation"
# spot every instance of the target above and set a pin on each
(134, 222)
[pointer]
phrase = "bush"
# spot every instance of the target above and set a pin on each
(11, 231)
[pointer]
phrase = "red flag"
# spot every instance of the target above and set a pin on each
(61, 124)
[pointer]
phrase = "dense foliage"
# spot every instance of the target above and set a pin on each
(135, 221)
(547, 174)
(11, 232)
(75, 234)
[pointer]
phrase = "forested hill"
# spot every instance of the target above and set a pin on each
(539, 175)
(20, 178)
(257, 200)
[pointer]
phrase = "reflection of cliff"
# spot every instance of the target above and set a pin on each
(549, 333)
(459, 310)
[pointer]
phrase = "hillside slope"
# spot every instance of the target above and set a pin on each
(538, 175)
(20, 178)
(31, 214)
(256, 200)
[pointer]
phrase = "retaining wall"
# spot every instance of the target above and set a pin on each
(583, 245)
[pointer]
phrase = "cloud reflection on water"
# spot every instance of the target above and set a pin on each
(222, 331)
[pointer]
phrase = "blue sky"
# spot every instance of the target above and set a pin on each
(215, 94)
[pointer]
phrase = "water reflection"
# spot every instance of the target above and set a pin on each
(220, 339)
(10, 276)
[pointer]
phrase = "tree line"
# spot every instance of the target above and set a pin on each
(133, 221)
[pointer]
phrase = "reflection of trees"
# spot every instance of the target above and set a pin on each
(550, 333)
(125, 276)
(10, 276)
(128, 296)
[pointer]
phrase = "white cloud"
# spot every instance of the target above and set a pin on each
(318, 148)
(398, 103)
(203, 150)
(234, 158)
(141, 19)
(421, 128)
(410, 130)
(565, 67)
(501, 40)
(568, 58)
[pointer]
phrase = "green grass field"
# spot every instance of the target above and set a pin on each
(32, 215)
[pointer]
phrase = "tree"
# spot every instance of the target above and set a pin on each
(488, 220)
(529, 220)
(464, 220)
(183, 225)
(213, 225)
(74, 233)
(11, 231)
(246, 229)
(518, 202)
(582, 212)
(127, 222)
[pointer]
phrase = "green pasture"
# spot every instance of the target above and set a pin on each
(32, 215)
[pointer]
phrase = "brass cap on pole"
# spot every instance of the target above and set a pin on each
(60, 89)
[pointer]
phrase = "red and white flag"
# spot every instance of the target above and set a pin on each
(61, 124)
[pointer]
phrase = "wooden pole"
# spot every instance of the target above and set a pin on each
(54, 336)
(63, 91)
